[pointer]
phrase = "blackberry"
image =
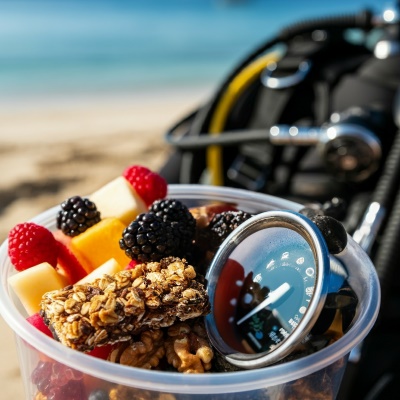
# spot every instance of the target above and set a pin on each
(148, 238)
(77, 214)
(224, 223)
(178, 216)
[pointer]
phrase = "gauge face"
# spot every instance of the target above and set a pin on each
(264, 290)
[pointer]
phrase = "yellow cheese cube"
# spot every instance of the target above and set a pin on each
(99, 243)
(31, 284)
(110, 267)
(118, 199)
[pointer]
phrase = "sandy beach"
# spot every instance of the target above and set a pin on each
(53, 148)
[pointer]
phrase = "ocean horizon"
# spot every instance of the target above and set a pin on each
(55, 48)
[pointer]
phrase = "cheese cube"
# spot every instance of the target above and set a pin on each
(110, 267)
(118, 199)
(31, 284)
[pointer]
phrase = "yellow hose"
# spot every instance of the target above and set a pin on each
(229, 97)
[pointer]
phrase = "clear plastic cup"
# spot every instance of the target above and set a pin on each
(315, 376)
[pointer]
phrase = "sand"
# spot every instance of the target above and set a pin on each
(54, 147)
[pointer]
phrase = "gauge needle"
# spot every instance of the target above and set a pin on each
(271, 298)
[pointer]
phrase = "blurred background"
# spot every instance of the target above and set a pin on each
(102, 47)
(89, 87)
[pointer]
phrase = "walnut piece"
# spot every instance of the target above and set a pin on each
(111, 309)
(187, 348)
(144, 353)
(123, 393)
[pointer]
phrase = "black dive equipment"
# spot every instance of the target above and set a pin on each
(312, 115)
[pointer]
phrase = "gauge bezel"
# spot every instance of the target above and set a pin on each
(309, 231)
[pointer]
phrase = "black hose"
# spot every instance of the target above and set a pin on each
(388, 253)
(388, 182)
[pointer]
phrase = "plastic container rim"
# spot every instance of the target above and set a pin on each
(224, 382)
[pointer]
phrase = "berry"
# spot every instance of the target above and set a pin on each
(77, 214)
(58, 382)
(41, 376)
(69, 264)
(148, 238)
(224, 223)
(132, 264)
(30, 244)
(179, 217)
(37, 321)
(101, 351)
(333, 231)
(149, 185)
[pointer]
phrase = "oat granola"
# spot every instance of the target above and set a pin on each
(111, 309)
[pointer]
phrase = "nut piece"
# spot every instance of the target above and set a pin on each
(113, 308)
(123, 393)
(187, 348)
(144, 353)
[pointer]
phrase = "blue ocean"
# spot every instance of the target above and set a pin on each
(109, 45)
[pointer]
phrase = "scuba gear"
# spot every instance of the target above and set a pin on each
(311, 115)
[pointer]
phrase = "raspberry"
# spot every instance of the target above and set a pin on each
(30, 244)
(149, 185)
(58, 382)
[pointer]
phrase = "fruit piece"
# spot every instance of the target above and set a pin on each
(224, 223)
(101, 351)
(77, 214)
(132, 264)
(148, 238)
(118, 199)
(30, 244)
(30, 285)
(110, 267)
(177, 215)
(37, 321)
(100, 243)
(57, 381)
(70, 267)
(149, 185)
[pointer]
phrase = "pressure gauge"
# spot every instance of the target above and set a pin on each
(267, 285)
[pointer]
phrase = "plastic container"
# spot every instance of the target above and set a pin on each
(319, 373)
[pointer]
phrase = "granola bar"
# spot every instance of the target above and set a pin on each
(111, 309)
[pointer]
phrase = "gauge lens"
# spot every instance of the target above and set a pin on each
(264, 289)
